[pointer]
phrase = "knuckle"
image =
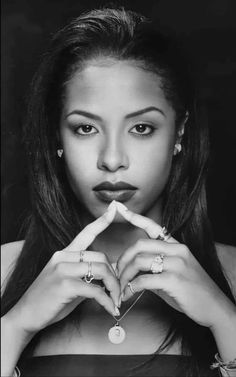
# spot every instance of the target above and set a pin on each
(104, 258)
(140, 244)
(56, 257)
(105, 269)
(60, 269)
(184, 250)
(180, 263)
(89, 229)
(138, 260)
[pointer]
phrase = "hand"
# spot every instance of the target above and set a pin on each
(183, 284)
(60, 287)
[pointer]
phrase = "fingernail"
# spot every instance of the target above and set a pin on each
(117, 312)
(116, 302)
(121, 296)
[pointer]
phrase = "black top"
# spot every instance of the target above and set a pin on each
(112, 365)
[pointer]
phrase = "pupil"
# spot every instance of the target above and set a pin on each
(141, 128)
(86, 128)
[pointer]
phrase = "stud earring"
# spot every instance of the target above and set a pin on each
(60, 152)
(178, 148)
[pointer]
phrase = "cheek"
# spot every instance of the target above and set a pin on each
(156, 158)
(154, 166)
(79, 166)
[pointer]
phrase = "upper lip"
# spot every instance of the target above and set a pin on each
(114, 186)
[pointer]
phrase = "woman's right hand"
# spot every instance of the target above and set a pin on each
(60, 287)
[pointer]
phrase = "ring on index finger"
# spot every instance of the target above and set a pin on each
(89, 276)
(163, 235)
(157, 264)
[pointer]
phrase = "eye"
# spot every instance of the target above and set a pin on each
(143, 129)
(85, 129)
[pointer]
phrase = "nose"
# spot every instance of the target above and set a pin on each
(112, 156)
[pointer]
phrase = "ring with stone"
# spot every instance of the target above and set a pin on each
(157, 264)
(89, 276)
(163, 235)
(131, 288)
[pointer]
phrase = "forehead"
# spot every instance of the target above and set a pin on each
(120, 83)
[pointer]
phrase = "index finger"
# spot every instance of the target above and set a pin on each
(92, 230)
(152, 229)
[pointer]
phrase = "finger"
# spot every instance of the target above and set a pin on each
(147, 282)
(95, 292)
(149, 226)
(146, 246)
(99, 271)
(143, 262)
(91, 231)
(82, 256)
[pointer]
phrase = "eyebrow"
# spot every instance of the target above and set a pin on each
(128, 116)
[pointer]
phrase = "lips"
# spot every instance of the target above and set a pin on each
(120, 191)
(114, 186)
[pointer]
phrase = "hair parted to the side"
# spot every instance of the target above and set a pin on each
(55, 219)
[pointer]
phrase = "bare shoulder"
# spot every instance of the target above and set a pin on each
(227, 258)
(9, 254)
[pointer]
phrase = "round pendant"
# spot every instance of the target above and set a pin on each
(116, 334)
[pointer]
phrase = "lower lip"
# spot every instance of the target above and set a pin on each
(119, 195)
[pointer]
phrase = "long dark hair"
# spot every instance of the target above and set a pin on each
(55, 216)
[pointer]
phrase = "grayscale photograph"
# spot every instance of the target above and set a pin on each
(118, 254)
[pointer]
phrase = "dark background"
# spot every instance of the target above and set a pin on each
(207, 28)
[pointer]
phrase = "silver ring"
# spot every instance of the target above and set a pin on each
(163, 235)
(131, 288)
(81, 256)
(89, 276)
(157, 264)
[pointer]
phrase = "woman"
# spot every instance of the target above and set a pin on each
(116, 152)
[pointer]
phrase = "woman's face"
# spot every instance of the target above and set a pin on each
(117, 126)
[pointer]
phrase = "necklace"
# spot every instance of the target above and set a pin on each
(117, 334)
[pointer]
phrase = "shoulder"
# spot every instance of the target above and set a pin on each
(227, 258)
(9, 254)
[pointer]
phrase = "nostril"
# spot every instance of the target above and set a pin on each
(112, 162)
(112, 168)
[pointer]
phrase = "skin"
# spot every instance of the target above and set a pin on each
(126, 236)
(113, 151)
(116, 151)
(113, 148)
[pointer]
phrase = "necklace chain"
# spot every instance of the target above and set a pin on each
(131, 306)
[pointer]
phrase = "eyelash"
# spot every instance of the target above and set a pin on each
(84, 125)
(152, 130)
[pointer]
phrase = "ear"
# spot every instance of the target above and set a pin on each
(58, 138)
(181, 129)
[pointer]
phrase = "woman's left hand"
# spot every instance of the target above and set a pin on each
(183, 284)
